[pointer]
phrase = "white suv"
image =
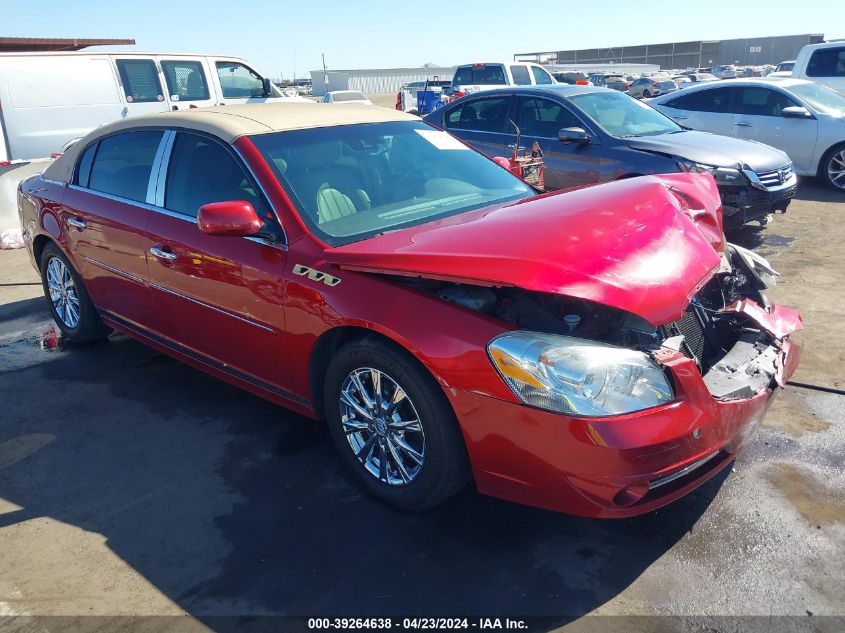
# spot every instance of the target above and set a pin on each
(488, 76)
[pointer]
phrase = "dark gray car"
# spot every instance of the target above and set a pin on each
(591, 135)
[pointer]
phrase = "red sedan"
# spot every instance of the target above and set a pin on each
(599, 351)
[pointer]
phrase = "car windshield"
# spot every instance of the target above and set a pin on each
(820, 98)
(352, 182)
(349, 96)
(620, 115)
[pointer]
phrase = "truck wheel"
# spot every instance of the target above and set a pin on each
(833, 167)
(394, 427)
(70, 305)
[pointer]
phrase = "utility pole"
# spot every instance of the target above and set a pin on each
(294, 64)
(325, 72)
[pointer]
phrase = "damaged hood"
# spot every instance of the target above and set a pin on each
(713, 149)
(645, 245)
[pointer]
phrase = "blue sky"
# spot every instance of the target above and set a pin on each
(384, 34)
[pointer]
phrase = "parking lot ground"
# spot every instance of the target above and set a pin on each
(131, 485)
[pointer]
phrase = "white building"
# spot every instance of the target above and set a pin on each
(374, 80)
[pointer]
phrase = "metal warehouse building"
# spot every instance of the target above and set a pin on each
(751, 51)
(375, 80)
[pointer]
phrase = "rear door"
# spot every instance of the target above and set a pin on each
(706, 110)
(141, 84)
(106, 214)
(219, 297)
(758, 118)
(187, 81)
(483, 123)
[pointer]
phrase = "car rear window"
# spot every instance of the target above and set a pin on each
(827, 62)
(185, 80)
(349, 96)
(520, 76)
(483, 74)
(140, 80)
(123, 163)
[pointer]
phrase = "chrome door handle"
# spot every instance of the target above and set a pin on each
(77, 223)
(742, 124)
(165, 255)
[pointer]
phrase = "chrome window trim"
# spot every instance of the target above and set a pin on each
(155, 169)
(203, 304)
(143, 205)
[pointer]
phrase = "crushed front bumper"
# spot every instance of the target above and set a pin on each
(624, 465)
(742, 204)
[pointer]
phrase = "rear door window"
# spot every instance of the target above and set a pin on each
(716, 100)
(827, 62)
(201, 171)
(123, 162)
(185, 80)
(140, 80)
(541, 77)
(83, 170)
(238, 82)
(482, 115)
(483, 74)
(520, 76)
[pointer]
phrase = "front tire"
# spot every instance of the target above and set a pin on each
(646, 94)
(833, 168)
(69, 302)
(394, 427)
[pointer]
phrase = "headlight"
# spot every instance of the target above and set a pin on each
(722, 175)
(759, 267)
(577, 376)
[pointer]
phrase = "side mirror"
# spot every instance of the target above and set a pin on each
(268, 87)
(230, 218)
(574, 135)
(796, 112)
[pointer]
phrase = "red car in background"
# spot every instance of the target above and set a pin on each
(600, 351)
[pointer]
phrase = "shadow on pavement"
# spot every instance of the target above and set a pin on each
(230, 505)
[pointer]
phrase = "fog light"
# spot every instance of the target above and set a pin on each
(629, 495)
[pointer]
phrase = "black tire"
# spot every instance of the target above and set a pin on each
(646, 94)
(445, 467)
(89, 326)
(833, 155)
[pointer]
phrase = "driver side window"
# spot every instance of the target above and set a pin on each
(202, 171)
(239, 82)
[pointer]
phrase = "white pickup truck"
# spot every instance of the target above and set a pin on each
(48, 101)
(823, 64)
(489, 76)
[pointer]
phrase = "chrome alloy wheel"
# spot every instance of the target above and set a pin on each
(63, 292)
(382, 426)
(836, 169)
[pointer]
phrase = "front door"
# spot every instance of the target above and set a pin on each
(567, 164)
(758, 118)
(238, 83)
(106, 214)
(220, 297)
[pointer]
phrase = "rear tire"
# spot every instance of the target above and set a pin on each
(410, 456)
(646, 94)
(69, 302)
(832, 169)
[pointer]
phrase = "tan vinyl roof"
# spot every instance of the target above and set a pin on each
(228, 123)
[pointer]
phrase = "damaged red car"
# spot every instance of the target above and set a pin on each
(599, 351)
